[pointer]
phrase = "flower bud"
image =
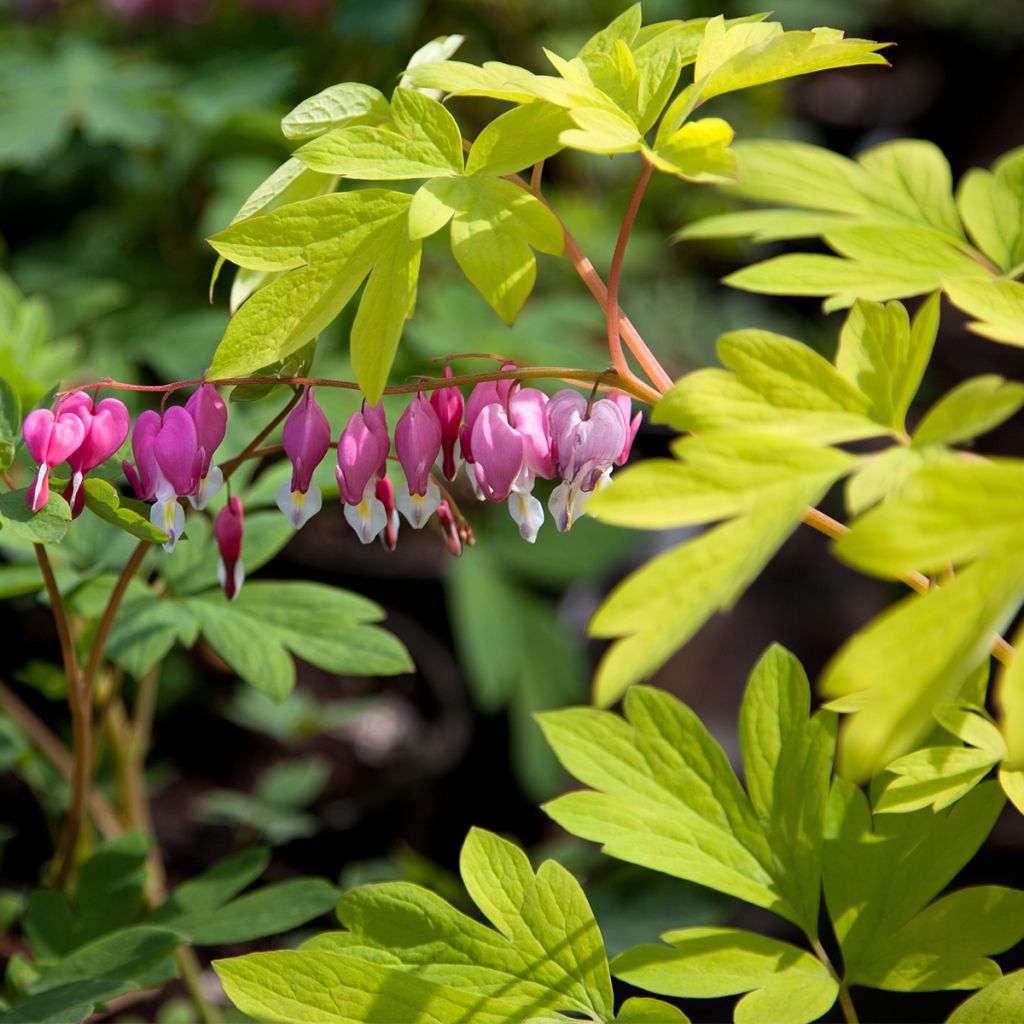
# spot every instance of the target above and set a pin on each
(418, 443)
(227, 529)
(449, 405)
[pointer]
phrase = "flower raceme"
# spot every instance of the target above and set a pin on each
(508, 436)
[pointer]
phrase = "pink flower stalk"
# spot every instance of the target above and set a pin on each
(587, 439)
(227, 528)
(449, 405)
(106, 427)
(306, 439)
(418, 438)
(362, 460)
(210, 415)
(50, 439)
(170, 465)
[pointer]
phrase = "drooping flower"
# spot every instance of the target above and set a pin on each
(384, 494)
(418, 438)
(486, 393)
(50, 438)
(169, 464)
(587, 439)
(227, 528)
(306, 439)
(106, 427)
(449, 405)
(362, 460)
(210, 415)
(449, 528)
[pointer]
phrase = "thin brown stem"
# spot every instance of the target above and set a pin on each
(81, 725)
(232, 464)
(50, 746)
(612, 310)
(535, 176)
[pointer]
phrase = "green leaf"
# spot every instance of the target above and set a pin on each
(330, 244)
(336, 107)
(413, 949)
(718, 476)
(973, 407)
(665, 797)
(457, 78)
(913, 657)
(933, 777)
(213, 888)
(885, 357)
(147, 629)
(761, 225)
(517, 139)
(1009, 698)
(291, 182)
(993, 214)
(388, 301)
(111, 885)
(884, 475)
(271, 910)
(783, 982)
(439, 48)
(425, 143)
(10, 413)
(662, 605)
(640, 1010)
(998, 306)
(1002, 999)
(494, 225)
(752, 54)
(699, 151)
(881, 873)
(945, 514)
(46, 526)
(103, 500)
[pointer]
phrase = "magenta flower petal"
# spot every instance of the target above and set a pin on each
(149, 478)
(449, 405)
(564, 413)
(362, 452)
(526, 410)
(228, 530)
(487, 393)
(176, 447)
(632, 426)
(306, 439)
(51, 439)
(600, 440)
(108, 426)
(499, 453)
(418, 443)
(210, 415)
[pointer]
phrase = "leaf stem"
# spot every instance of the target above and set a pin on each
(845, 1001)
(81, 725)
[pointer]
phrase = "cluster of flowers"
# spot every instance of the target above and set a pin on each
(505, 434)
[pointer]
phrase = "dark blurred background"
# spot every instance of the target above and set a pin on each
(132, 129)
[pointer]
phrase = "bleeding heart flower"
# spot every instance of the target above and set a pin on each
(50, 440)
(306, 440)
(106, 427)
(227, 528)
(210, 415)
(418, 443)
(449, 405)
(362, 461)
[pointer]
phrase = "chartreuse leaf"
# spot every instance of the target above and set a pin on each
(424, 142)
(945, 514)
(640, 1010)
(882, 871)
(752, 54)
(783, 982)
(46, 526)
(997, 304)
(1009, 698)
(457, 78)
(911, 659)
(664, 796)
(494, 224)
(698, 151)
(408, 956)
(1002, 999)
(762, 225)
(717, 476)
(973, 407)
(993, 213)
(291, 182)
(934, 777)
(517, 139)
(329, 244)
(885, 357)
(778, 386)
(340, 106)
(885, 473)
(662, 605)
